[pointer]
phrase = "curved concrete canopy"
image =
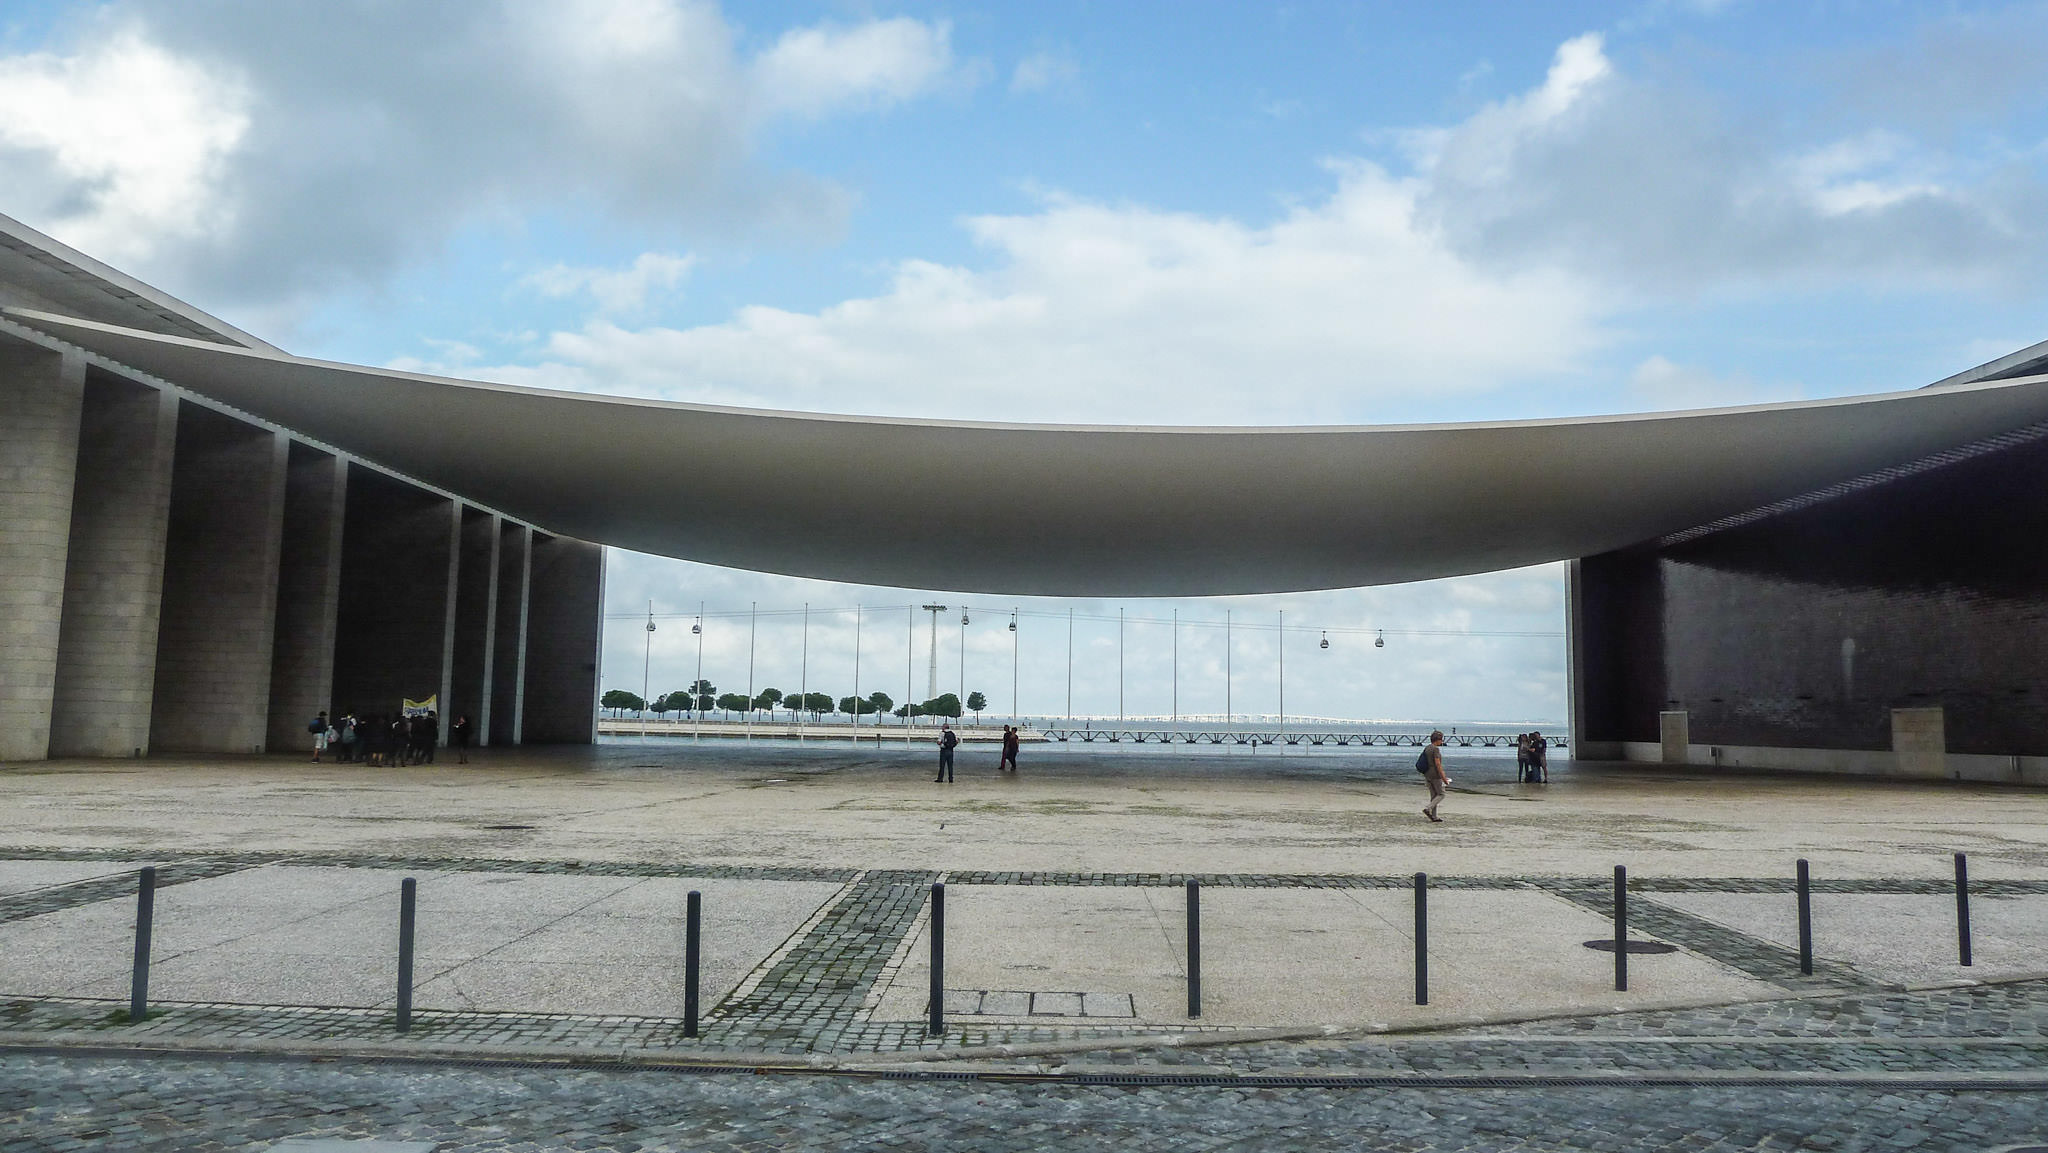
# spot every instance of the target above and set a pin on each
(1074, 510)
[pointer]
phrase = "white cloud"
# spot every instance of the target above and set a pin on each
(1044, 71)
(248, 151)
(1655, 185)
(814, 70)
(1100, 312)
(615, 289)
(1660, 383)
(123, 147)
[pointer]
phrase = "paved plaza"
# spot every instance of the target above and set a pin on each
(548, 982)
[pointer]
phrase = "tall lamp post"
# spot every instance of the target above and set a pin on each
(1013, 666)
(753, 623)
(932, 681)
(963, 656)
(803, 676)
(646, 661)
(696, 693)
(1228, 716)
(856, 683)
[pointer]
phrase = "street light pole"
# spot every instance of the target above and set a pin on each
(1283, 670)
(1176, 668)
(1119, 667)
(1228, 715)
(753, 622)
(1070, 666)
(803, 676)
(646, 659)
(931, 688)
(856, 680)
(696, 696)
(1013, 666)
(963, 656)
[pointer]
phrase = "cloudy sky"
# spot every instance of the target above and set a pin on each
(1183, 213)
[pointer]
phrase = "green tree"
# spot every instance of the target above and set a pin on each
(818, 704)
(767, 701)
(881, 702)
(943, 705)
(975, 703)
(706, 694)
(733, 703)
(856, 706)
(616, 699)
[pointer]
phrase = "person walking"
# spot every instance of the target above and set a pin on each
(1431, 765)
(318, 727)
(948, 741)
(345, 738)
(1010, 743)
(458, 735)
(1539, 758)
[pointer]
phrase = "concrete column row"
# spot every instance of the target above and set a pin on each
(173, 579)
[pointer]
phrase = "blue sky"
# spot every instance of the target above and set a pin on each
(1206, 213)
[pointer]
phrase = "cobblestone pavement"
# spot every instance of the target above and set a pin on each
(68, 1102)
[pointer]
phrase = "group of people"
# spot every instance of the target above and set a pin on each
(378, 741)
(1532, 758)
(950, 740)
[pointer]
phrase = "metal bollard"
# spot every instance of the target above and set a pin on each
(408, 894)
(145, 925)
(1963, 907)
(690, 930)
(1422, 938)
(937, 1025)
(1805, 920)
(1194, 948)
(1620, 929)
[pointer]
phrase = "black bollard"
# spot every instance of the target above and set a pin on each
(1620, 929)
(1194, 948)
(1805, 920)
(1963, 907)
(937, 1025)
(690, 931)
(1422, 938)
(408, 893)
(145, 925)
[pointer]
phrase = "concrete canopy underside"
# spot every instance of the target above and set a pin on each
(1075, 510)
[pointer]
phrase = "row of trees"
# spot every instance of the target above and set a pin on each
(704, 697)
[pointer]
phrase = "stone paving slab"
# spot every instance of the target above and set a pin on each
(1293, 957)
(290, 935)
(1894, 938)
(18, 876)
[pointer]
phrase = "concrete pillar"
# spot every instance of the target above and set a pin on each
(1674, 729)
(564, 631)
(508, 678)
(476, 617)
(451, 584)
(392, 624)
(219, 621)
(1920, 741)
(308, 592)
(113, 582)
(41, 394)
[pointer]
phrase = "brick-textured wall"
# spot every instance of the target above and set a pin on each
(1807, 629)
(508, 672)
(40, 397)
(476, 613)
(391, 633)
(220, 586)
(564, 618)
(308, 587)
(106, 664)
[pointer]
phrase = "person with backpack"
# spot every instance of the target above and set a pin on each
(318, 727)
(1431, 765)
(948, 741)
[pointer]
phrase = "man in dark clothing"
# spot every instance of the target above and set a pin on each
(458, 735)
(1009, 750)
(1433, 773)
(430, 734)
(401, 738)
(1539, 758)
(318, 727)
(948, 741)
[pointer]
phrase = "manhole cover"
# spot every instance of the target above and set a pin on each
(1606, 945)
